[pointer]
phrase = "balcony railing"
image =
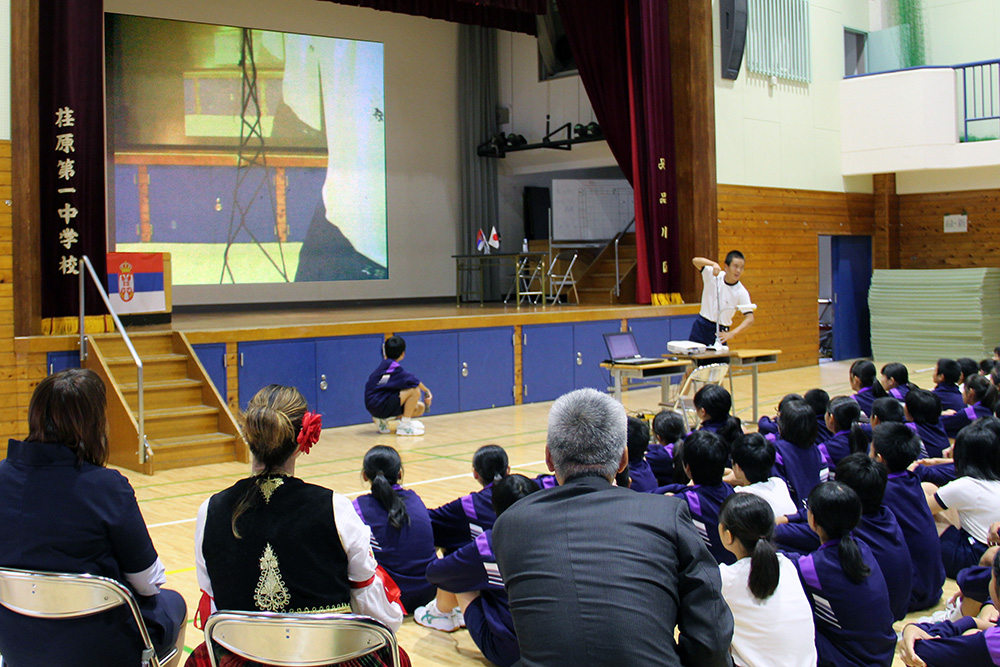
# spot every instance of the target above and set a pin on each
(980, 90)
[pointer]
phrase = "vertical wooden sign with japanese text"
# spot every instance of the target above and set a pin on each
(72, 160)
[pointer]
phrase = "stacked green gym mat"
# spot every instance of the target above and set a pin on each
(919, 316)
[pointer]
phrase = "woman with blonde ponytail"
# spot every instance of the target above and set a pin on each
(273, 542)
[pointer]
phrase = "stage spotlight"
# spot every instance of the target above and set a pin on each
(594, 130)
(580, 131)
(516, 140)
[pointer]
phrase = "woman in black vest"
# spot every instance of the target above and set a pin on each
(272, 542)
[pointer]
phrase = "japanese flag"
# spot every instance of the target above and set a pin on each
(480, 241)
(494, 238)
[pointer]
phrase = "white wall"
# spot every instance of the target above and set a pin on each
(788, 135)
(961, 31)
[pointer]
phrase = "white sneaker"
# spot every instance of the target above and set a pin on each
(459, 617)
(417, 423)
(382, 425)
(409, 429)
(951, 612)
(430, 616)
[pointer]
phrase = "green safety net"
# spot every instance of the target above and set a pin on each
(919, 316)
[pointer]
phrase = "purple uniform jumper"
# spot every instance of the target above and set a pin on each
(661, 461)
(899, 393)
(545, 481)
(950, 395)
(704, 502)
(403, 553)
(835, 448)
(905, 499)
(383, 387)
(802, 469)
(462, 520)
(488, 618)
(865, 398)
(970, 413)
(880, 531)
(937, 475)
(766, 426)
(953, 647)
(853, 621)
(933, 437)
(974, 582)
(643, 479)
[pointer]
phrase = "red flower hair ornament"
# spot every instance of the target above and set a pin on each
(312, 424)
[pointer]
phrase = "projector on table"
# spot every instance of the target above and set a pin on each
(685, 347)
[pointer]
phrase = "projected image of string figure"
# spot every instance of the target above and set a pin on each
(251, 170)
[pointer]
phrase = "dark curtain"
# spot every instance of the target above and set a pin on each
(513, 15)
(622, 53)
(478, 92)
(71, 138)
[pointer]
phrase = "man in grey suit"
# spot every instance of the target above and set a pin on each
(601, 575)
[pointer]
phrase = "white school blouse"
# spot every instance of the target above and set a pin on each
(977, 502)
(775, 492)
(775, 631)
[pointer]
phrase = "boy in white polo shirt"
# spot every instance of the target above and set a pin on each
(721, 297)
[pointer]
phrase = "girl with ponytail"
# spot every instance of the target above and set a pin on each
(773, 623)
(844, 585)
(862, 377)
(842, 417)
(402, 537)
(980, 398)
(273, 542)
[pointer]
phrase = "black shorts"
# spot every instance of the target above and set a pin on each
(703, 331)
(390, 407)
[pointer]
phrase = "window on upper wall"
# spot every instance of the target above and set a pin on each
(554, 56)
(778, 39)
(855, 52)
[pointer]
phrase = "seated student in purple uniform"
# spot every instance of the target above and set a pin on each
(819, 399)
(639, 471)
(975, 495)
(798, 460)
(391, 392)
(844, 585)
(980, 398)
(986, 366)
(947, 375)
(896, 447)
(462, 520)
(767, 426)
(895, 379)
(847, 436)
(877, 527)
(705, 456)
(753, 462)
(402, 538)
(668, 427)
(772, 620)
(923, 409)
(471, 578)
(974, 582)
(863, 381)
(713, 405)
(969, 366)
(969, 641)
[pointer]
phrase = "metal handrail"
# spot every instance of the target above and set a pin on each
(618, 237)
(143, 445)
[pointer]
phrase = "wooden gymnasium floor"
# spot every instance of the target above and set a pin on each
(436, 465)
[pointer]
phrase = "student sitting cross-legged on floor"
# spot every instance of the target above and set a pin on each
(705, 457)
(668, 427)
(797, 458)
(753, 463)
(643, 479)
(923, 409)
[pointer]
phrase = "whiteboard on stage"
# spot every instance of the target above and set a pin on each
(590, 210)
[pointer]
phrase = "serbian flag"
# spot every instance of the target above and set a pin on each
(480, 241)
(494, 238)
(135, 282)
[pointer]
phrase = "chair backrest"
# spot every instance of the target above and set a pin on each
(698, 378)
(56, 595)
(298, 640)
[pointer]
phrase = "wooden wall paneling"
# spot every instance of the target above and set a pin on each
(691, 67)
(885, 237)
(777, 230)
(923, 243)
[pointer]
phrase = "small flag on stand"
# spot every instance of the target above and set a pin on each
(494, 238)
(480, 241)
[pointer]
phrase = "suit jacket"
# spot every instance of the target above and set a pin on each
(601, 575)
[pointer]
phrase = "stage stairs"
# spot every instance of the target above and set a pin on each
(187, 422)
(597, 284)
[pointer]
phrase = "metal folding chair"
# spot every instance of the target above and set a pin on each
(561, 275)
(298, 640)
(55, 595)
(699, 377)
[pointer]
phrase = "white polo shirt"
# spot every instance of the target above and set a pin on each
(730, 296)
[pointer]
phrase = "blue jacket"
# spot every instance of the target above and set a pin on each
(905, 499)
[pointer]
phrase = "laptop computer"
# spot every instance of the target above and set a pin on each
(622, 349)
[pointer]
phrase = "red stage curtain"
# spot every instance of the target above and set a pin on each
(622, 52)
(72, 158)
(513, 15)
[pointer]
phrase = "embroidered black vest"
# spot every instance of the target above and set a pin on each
(288, 558)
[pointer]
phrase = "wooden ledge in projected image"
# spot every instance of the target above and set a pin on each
(322, 322)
